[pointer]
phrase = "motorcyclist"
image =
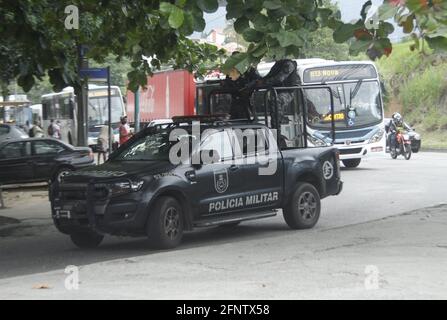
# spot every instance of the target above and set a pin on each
(396, 124)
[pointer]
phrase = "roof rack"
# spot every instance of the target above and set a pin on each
(202, 118)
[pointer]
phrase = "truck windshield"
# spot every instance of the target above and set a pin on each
(151, 147)
(154, 146)
(356, 104)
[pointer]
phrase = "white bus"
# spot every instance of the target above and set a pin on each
(358, 107)
(62, 107)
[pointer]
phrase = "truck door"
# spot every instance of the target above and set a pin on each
(216, 183)
(259, 168)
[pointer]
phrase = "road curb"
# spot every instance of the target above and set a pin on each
(6, 221)
(434, 150)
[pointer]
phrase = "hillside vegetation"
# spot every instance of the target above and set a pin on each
(417, 87)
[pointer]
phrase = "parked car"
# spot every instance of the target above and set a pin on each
(9, 131)
(159, 122)
(40, 159)
(416, 139)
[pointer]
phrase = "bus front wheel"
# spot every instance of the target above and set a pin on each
(352, 163)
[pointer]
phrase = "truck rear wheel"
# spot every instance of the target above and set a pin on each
(352, 163)
(86, 240)
(303, 209)
(165, 224)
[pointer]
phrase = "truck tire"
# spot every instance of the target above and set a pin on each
(303, 209)
(86, 240)
(165, 224)
(352, 163)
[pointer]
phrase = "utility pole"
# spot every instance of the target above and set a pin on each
(137, 110)
(82, 99)
(2, 203)
(109, 109)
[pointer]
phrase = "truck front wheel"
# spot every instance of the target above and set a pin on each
(303, 209)
(165, 224)
(86, 240)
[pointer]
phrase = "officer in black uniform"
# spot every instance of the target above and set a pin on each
(283, 74)
(240, 104)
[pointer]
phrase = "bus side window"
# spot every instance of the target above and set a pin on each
(71, 109)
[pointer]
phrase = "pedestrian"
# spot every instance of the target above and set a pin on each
(283, 74)
(54, 129)
(28, 126)
(103, 143)
(30, 130)
(50, 129)
(237, 82)
(37, 130)
(124, 130)
(57, 130)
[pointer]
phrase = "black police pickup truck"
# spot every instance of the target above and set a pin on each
(167, 180)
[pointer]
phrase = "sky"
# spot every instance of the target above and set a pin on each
(350, 10)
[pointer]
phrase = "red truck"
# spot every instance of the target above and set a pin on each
(167, 94)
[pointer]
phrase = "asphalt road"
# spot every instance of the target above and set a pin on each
(377, 189)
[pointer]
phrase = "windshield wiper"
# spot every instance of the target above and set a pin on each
(353, 93)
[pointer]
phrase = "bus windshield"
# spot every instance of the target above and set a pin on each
(98, 109)
(356, 104)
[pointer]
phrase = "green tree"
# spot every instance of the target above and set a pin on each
(35, 42)
(119, 68)
(232, 36)
(321, 44)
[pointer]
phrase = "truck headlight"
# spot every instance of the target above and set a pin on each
(377, 136)
(123, 187)
(317, 142)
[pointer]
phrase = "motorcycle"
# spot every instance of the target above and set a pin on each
(403, 146)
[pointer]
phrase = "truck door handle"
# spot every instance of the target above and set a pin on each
(234, 168)
(191, 176)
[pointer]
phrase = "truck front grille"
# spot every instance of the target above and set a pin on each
(76, 192)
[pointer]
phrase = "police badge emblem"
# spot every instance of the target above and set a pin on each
(328, 170)
(221, 180)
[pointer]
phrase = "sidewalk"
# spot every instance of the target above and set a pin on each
(401, 257)
(27, 205)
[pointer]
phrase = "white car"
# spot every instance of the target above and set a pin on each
(10, 132)
(159, 122)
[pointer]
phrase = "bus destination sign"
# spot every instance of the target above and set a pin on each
(339, 73)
